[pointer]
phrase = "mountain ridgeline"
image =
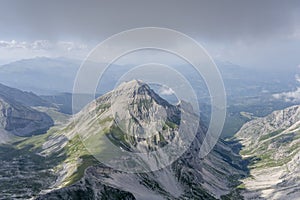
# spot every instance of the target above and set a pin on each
(131, 118)
(135, 109)
(127, 130)
(16, 115)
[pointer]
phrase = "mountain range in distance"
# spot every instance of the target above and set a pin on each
(53, 79)
(47, 76)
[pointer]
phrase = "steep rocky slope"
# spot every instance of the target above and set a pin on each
(103, 120)
(59, 166)
(272, 144)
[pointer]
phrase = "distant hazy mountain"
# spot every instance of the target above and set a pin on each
(50, 76)
(46, 76)
(272, 144)
(54, 78)
(41, 75)
(25, 98)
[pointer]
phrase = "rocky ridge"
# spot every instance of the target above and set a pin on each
(272, 143)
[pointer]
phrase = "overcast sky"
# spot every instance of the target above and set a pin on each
(250, 33)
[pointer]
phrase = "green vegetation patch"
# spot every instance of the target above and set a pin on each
(76, 151)
(103, 106)
(118, 138)
(272, 134)
(105, 120)
(170, 124)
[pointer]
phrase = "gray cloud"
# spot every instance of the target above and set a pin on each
(166, 91)
(95, 20)
(14, 50)
(291, 96)
(42, 45)
(252, 33)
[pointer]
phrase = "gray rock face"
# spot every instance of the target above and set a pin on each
(138, 111)
(273, 143)
(135, 100)
(281, 119)
(21, 120)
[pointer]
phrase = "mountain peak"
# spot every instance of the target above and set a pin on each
(133, 83)
(132, 86)
(136, 100)
(134, 90)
